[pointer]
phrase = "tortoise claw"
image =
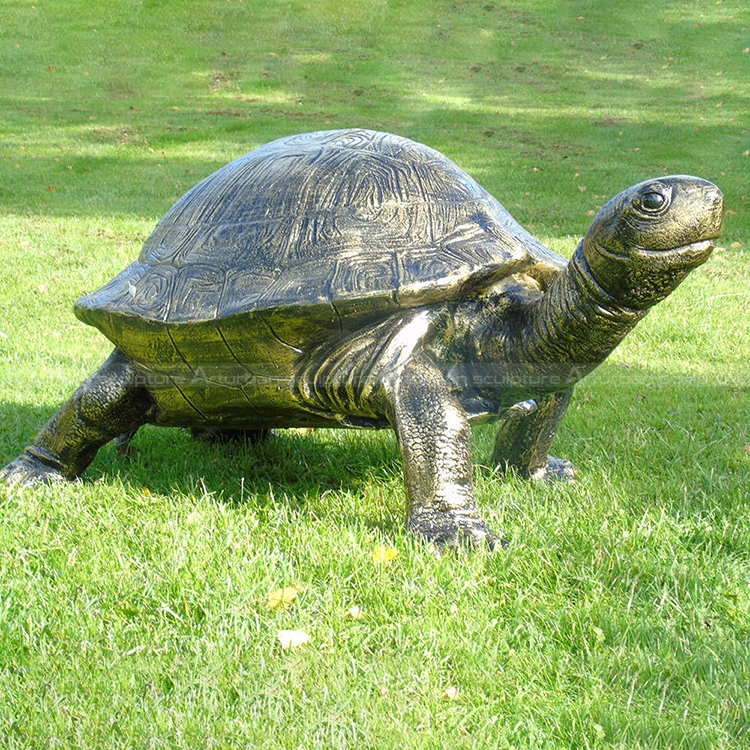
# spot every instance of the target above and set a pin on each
(556, 470)
(451, 530)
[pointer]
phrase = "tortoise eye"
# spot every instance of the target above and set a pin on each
(652, 201)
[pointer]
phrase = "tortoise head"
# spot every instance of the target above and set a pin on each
(646, 240)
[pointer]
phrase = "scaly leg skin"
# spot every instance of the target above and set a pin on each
(525, 434)
(435, 440)
(109, 403)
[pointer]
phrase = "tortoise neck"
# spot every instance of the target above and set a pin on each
(563, 334)
(576, 321)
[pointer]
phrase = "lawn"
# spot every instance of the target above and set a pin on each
(134, 605)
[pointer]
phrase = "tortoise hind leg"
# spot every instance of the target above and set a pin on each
(525, 435)
(107, 404)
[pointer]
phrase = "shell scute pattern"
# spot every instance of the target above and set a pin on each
(347, 219)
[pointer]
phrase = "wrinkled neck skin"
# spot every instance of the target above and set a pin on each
(552, 342)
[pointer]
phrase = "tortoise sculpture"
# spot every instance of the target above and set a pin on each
(359, 279)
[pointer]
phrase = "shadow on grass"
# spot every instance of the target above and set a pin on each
(334, 476)
(293, 468)
(288, 462)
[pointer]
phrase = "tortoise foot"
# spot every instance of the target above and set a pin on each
(556, 470)
(28, 471)
(452, 529)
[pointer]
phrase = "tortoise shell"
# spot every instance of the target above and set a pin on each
(310, 234)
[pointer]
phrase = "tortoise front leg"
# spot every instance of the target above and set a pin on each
(435, 440)
(109, 403)
(524, 437)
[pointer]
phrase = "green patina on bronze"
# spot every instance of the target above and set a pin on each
(359, 279)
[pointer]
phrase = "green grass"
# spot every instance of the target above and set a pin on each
(133, 605)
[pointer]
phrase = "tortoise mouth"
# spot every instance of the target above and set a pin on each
(691, 254)
(700, 249)
(693, 247)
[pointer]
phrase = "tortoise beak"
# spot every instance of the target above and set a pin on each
(714, 200)
(696, 253)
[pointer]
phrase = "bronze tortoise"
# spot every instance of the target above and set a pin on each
(359, 279)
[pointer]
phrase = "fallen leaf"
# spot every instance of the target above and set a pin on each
(292, 638)
(283, 597)
(355, 613)
(451, 693)
(384, 555)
